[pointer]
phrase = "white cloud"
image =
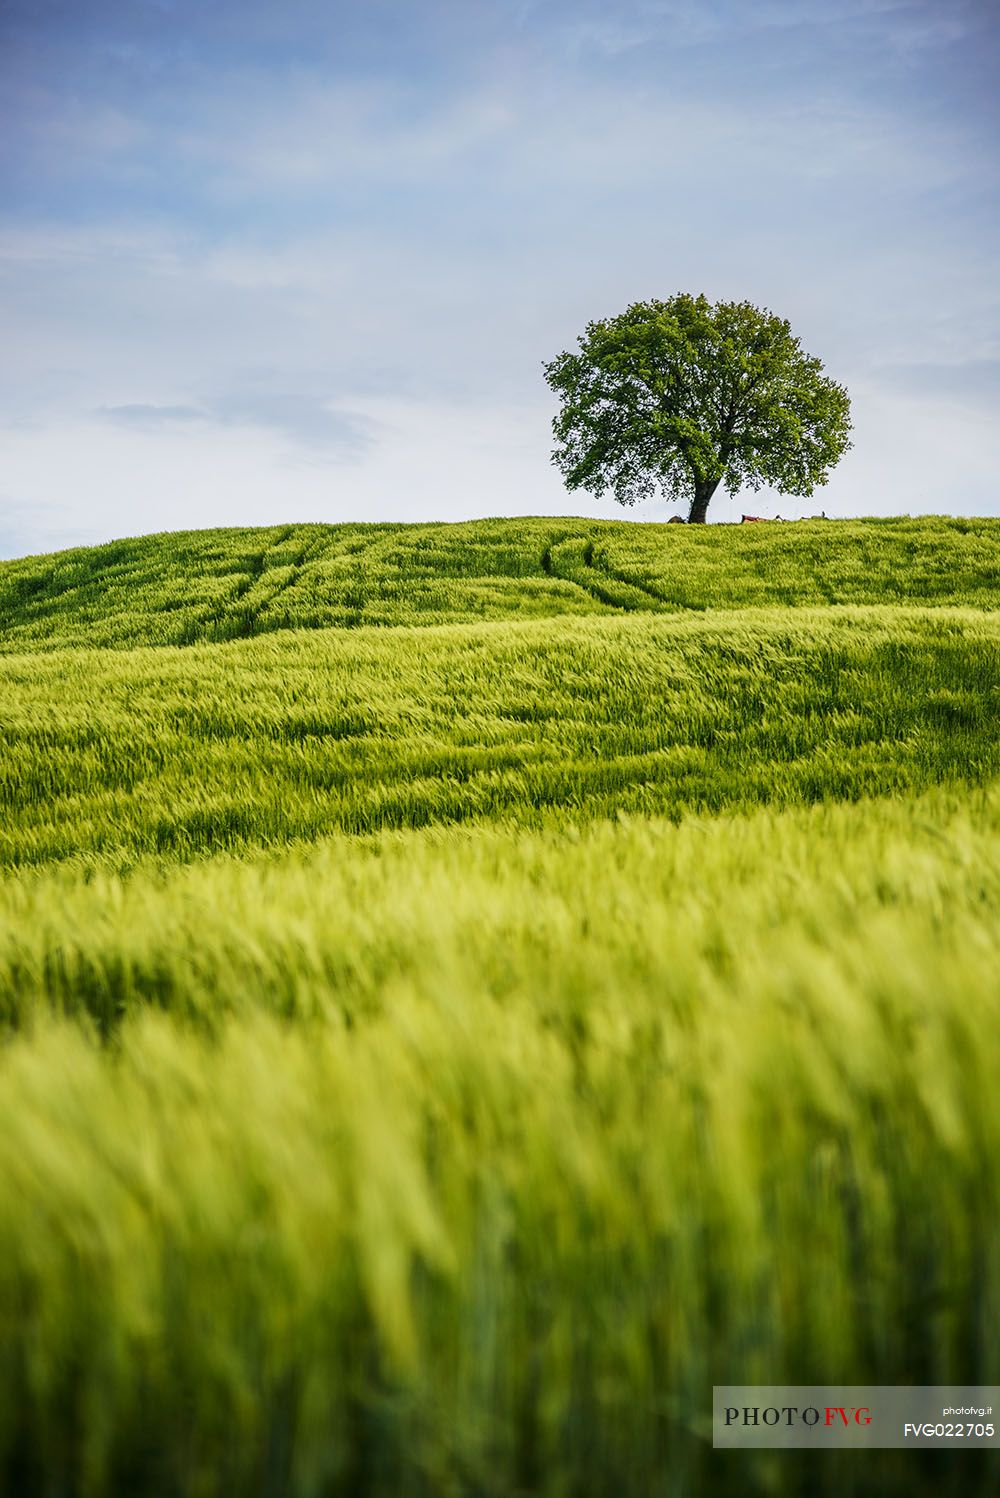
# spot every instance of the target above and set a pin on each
(921, 454)
(340, 298)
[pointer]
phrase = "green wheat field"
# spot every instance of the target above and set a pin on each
(466, 989)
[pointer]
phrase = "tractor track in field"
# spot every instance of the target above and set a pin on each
(627, 582)
(244, 621)
(591, 581)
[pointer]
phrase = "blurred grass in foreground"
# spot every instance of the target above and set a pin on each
(466, 1162)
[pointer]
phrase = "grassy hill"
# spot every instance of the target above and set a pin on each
(182, 589)
(493, 983)
(112, 755)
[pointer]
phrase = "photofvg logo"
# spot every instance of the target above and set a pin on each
(831, 1417)
(828, 1416)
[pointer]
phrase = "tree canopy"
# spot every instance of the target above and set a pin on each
(678, 397)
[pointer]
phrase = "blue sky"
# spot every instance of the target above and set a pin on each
(263, 262)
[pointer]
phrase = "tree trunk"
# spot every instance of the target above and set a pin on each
(703, 491)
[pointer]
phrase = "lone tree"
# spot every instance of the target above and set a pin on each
(681, 396)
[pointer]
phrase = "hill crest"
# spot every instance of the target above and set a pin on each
(182, 588)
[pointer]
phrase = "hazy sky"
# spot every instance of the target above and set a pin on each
(263, 262)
